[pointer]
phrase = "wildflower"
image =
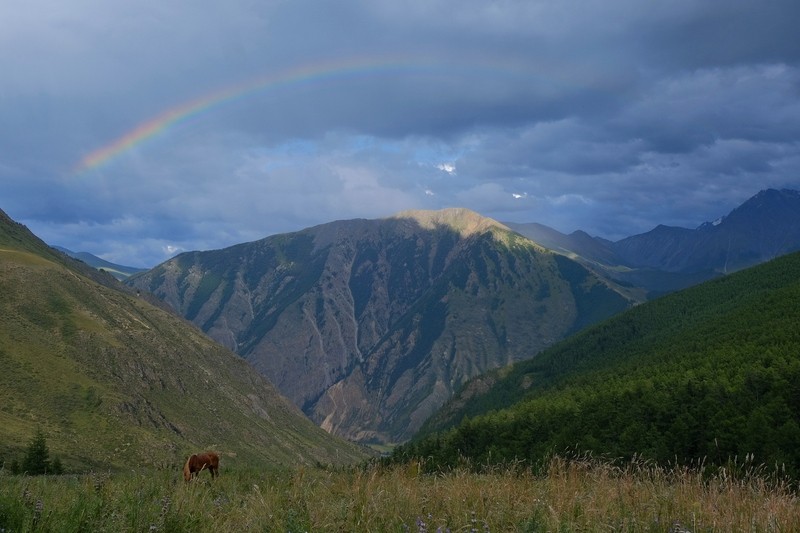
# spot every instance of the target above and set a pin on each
(37, 512)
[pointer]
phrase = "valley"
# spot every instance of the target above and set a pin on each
(366, 329)
(416, 266)
(370, 326)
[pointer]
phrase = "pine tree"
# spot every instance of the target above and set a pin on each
(37, 460)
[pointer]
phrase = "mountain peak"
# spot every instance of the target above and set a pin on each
(462, 220)
(778, 208)
(767, 197)
(777, 193)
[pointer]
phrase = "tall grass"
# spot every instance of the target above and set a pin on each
(569, 495)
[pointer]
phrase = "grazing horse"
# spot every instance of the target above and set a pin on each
(196, 463)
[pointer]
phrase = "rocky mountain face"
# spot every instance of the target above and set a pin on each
(370, 325)
(115, 382)
(670, 258)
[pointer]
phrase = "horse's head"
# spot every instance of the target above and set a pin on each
(187, 470)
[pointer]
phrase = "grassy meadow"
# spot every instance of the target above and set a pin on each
(567, 495)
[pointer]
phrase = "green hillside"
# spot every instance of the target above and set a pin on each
(708, 374)
(115, 382)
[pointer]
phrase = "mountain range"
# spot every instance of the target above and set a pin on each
(116, 382)
(670, 258)
(370, 325)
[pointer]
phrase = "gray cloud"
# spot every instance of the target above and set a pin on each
(607, 116)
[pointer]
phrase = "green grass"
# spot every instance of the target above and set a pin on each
(574, 495)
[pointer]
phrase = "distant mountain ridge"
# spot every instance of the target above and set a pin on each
(369, 325)
(669, 258)
(121, 272)
(115, 382)
(764, 227)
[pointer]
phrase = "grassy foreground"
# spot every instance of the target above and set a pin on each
(574, 495)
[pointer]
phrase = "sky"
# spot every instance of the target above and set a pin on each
(138, 130)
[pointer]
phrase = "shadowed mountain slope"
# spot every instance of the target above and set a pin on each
(115, 382)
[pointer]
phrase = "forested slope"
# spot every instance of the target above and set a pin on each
(711, 373)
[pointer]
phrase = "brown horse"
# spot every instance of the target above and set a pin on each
(196, 463)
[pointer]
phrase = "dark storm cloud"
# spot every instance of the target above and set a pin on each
(608, 116)
(705, 34)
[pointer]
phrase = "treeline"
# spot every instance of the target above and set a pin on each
(710, 374)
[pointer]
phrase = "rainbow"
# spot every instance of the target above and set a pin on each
(157, 125)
